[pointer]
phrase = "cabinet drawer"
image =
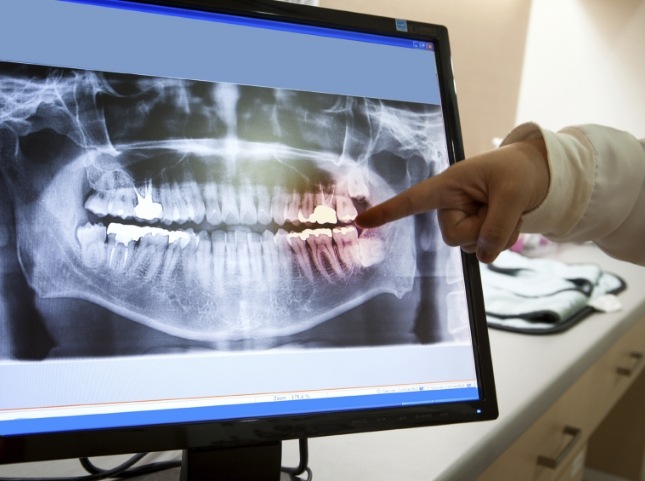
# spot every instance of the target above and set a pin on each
(561, 433)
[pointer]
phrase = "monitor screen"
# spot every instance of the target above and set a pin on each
(178, 185)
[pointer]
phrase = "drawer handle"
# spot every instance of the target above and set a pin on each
(553, 463)
(628, 371)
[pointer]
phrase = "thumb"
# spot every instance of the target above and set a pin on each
(420, 197)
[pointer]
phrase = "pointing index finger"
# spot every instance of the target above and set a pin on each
(418, 198)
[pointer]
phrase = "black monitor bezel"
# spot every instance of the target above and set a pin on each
(47, 446)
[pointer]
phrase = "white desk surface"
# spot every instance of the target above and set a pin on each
(531, 373)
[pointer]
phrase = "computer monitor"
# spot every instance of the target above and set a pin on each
(179, 266)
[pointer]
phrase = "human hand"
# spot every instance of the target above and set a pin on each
(479, 201)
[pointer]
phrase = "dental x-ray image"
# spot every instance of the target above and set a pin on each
(143, 215)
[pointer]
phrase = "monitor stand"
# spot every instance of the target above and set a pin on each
(260, 462)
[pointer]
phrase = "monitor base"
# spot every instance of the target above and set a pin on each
(261, 462)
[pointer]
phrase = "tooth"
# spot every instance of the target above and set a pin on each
(324, 257)
(146, 208)
(372, 251)
(284, 255)
(356, 185)
(200, 208)
(307, 207)
(118, 254)
(322, 198)
(185, 210)
(323, 214)
(171, 258)
(270, 257)
(111, 179)
(255, 255)
(278, 205)
(218, 239)
(264, 205)
(194, 199)
(123, 202)
(292, 207)
(189, 258)
(232, 261)
(170, 208)
(92, 240)
(97, 203)
(242, 251)
(203, 260)
(298, 243)
(148, 256)
(230, 211)
(213, 211)
(345, 209)
(346, 239)
(248, 212)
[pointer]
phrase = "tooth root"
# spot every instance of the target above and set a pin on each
(345, 209)
(346, 239)
(323, 254)
(211, 200)
(93, 248)
(248, 211)
(278, 202)
(230, 210)
(372, 251)
(264, 205)
(298, 244)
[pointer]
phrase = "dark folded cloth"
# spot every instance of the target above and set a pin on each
(544, 296)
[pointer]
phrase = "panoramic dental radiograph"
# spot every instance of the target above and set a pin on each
(149, 215)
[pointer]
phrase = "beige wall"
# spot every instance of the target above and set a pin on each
(584, 63)
(487, 41)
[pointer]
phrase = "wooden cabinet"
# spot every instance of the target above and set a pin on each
(554, 448)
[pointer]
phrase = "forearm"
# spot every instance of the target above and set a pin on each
(596, 191)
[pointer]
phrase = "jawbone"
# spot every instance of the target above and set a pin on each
(252, 261)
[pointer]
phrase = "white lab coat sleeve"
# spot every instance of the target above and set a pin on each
(596, 191)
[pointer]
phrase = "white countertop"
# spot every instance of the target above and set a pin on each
(531, 373)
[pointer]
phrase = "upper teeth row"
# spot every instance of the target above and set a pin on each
(221, 204)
